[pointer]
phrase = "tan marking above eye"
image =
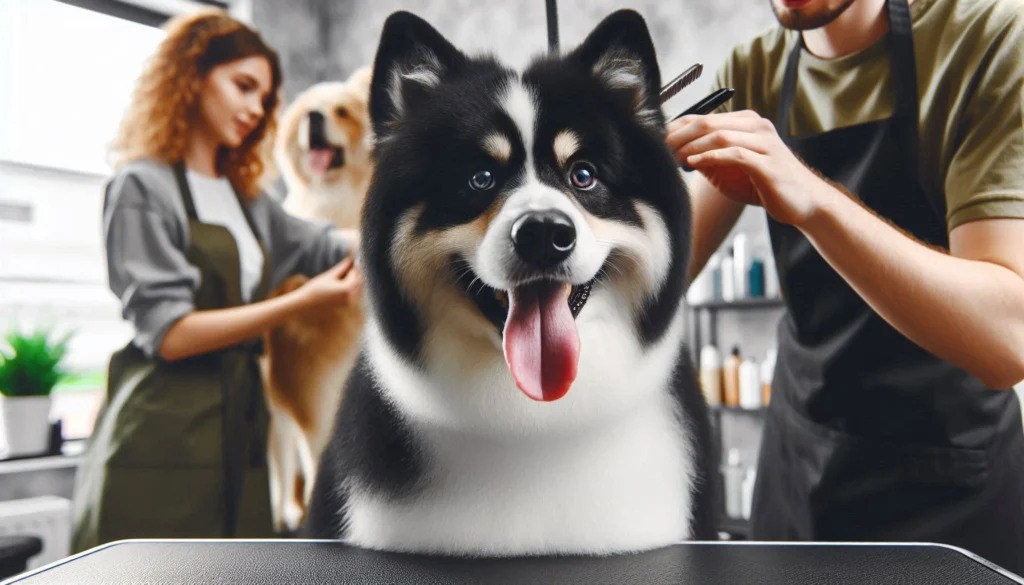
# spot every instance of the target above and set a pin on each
(499, 147)
(566, 144)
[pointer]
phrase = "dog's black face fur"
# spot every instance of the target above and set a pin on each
(431, 105)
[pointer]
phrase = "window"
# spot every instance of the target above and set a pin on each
(66, 75)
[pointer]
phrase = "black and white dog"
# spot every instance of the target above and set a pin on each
(523, 386)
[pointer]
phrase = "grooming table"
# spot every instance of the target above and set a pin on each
(278, 561)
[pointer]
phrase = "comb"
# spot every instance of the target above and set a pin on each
(676, 85)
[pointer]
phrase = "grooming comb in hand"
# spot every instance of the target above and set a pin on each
(676, 85)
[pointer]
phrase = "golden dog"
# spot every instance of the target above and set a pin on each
(323, 152)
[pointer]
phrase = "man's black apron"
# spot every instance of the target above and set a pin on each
(868, 436)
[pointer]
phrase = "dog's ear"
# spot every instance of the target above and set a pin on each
(412, 59)
(619, 52)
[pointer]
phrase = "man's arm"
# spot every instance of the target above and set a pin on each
(966, 307)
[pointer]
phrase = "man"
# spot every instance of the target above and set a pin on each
(886, 144)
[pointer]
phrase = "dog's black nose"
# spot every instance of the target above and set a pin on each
(544, 238)
(316, 130)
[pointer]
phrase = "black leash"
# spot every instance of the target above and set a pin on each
(552, 6)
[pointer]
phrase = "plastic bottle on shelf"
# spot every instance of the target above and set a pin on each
(697, 293)
(740, 261)
(731, 378)
(711, 375)
(728, 278)
(767, 374)
(747, 489)
(714, 269)
(732, 476)
(750, 385)
(757, 278)
(771, 277)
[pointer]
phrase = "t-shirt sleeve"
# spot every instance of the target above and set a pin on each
(750, 68)
(985, 177)
(725, 76)
(146, 264)
(299, 246)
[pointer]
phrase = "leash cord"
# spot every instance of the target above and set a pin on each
(552, 12)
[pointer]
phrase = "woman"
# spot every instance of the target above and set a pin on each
(193, 246)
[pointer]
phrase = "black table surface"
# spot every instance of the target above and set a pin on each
(274, 562)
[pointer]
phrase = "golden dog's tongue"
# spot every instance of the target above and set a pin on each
(542, 345)
(320, 159)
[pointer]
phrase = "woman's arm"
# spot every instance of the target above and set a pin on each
(147, 269)
(202, 332)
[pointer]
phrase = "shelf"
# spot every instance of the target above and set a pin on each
(738, 410)
(739, 304)
(735, 527)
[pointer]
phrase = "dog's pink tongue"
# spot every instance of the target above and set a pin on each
(542, 346)
(320, 160)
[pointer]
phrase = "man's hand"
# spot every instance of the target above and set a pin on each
(742, 156)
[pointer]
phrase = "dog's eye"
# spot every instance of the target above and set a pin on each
(482, 181)
(582, 175)
(341, 112)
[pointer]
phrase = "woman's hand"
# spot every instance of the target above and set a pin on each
(742, 156)
(201, 332)
(341, 284)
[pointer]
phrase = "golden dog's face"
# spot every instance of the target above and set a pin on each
(325, 131)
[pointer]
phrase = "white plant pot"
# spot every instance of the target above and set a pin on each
(24, 425)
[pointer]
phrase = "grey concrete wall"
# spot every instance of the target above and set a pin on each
(325, 39)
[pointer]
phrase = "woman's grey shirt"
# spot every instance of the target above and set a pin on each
(146, 236)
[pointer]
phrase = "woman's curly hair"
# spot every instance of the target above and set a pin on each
(165, 102)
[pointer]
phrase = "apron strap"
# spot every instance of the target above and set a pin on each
(903, 74)
(263, 289)
(183, 189)
(903, 71)
(907, 109)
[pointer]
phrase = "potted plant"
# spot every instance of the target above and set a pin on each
(30, 367)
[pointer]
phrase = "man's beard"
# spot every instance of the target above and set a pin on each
(798, 19)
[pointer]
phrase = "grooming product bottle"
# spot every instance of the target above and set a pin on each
(711, 375)
(728, 278)
(697, 293)
(747, 491)
(750, 385)
(732, 475)
(756, 278)
(771, 277)
(740, 257)
(731, 378)
(767, 373)
(714, 270)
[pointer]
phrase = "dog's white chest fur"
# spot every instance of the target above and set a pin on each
(586, 474)
(608, 489)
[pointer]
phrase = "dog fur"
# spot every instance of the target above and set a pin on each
(307, 360)
(439, 448)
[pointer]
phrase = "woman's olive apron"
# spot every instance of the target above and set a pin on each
(869, 437)
(179, 449)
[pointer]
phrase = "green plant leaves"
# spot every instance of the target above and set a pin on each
(31, 366)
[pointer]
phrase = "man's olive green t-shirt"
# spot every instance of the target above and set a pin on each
(970, 82)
